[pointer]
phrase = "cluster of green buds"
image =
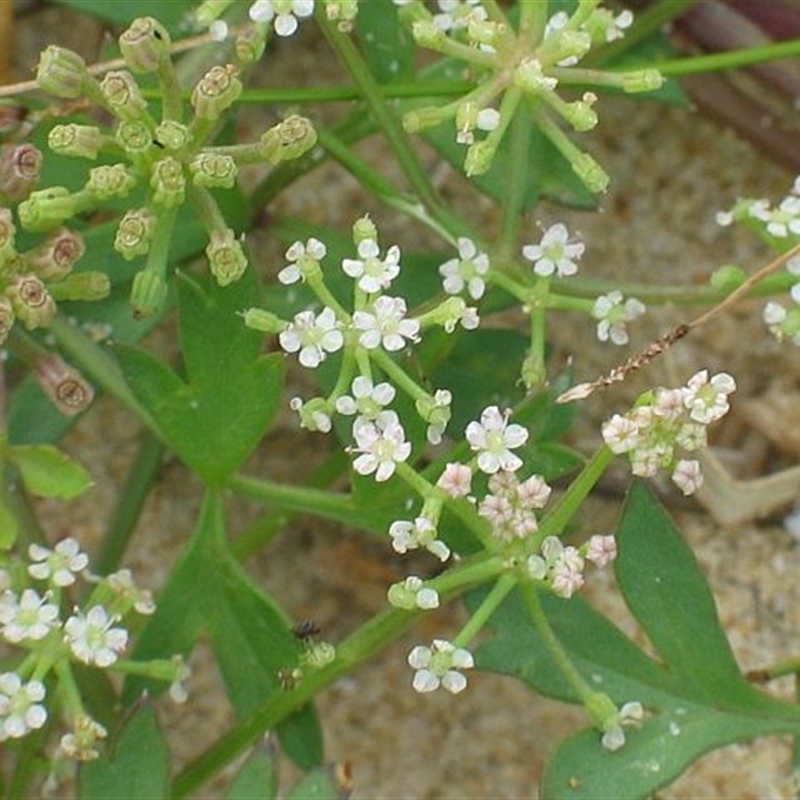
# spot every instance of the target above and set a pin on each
(522, 67)
(31, 281)
(170, 158)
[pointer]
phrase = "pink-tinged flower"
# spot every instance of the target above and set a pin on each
(494, 439)
(314, 336)
(554, 253)
(439, 665)
(620, 434)
(456, 480)
(601, 550)
(386, 324)
(370, 272)
(687, 476)
(381, 444)
(92, 639)
(707, 400)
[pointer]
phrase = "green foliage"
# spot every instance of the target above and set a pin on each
(48, 472)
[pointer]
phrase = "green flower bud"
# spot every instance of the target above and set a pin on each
(427, 34)
(265, 321)
(134, 137)
(47, 209)
(134, 233)
(643, 80)
(123, 95)
(76, 140)
(364, 228)
(580, 115)
(61, 72)
(251, 43)
(66, 388)
(172, 135)
(55, 257)
(6, 318)
(479, 157)
(86, 286)
(111, 180)
(216, 92)
(533, 372)
(19, 170)
(7, 231)
(419, 119)
(226, 258)
(318, 655)
(288, 139)
(213, 170)
(148, 294)
(168, 182)
(145, 45)
(594, 177)
(31, 301)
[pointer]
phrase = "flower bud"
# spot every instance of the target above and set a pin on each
(594, 177)
(67, 389)
(46, 209)
(213, 170)
(148, 294)
(123, 96)
(364, 228)
(61, 72)
(145, 45)
(216, 92)
(479, 157)
(172, 135)
(31, 301)
(19, 170)
(258, 319)
(168, 183)
(134, 233)
(110, 180)
(288, 139)
(53, 259)
(251, 43)
(134, 137)
(7, 231)
(226, 258)
(76, 140)
(6, 318)
(643, 80)
(86, 286)
(428, 34)
(530, 77)
(318, 655)
(419, 119)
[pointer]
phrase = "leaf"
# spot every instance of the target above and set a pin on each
(137, 767)
(322, 783)
(214, 420)
(49, 472)
(172, 14)
(210, 593)
(258, 777)
(387, 45)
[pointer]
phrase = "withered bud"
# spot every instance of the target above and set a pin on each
(31, 301)
(144, 45)
(53, 259)
(20, 165)
(67, 389)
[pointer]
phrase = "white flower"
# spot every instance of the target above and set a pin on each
(299, 254)
(419, 533)
(456, 480)
(386, 324)
(494, 439)
(687, 476)
(59, 566)
(129, 593)
(32, 617)
(439, 665)
(314, 415)
(613, 313)
(313, 336)
(780, 221)
(177, 691)
(412, 593)
(621, 434)
(218, 30)
(367, 400)
(457, 14)
(20, 711)
(707, 400)
(436, 412)
(468, 270)
(382, 445)
(554, 253)
(371, 273)
(601, 550)
(91, 638)
(631, 714)
(284, 12)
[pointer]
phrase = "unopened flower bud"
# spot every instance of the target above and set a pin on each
(53, 259)
(226, 258)
(134, 137)
(484, 31)
(318, 655)
(580, 115)
(216, 92)
(427, 34)
(7, 231)
(594, 177)
(86, 286)
(419, 119)
(643, 80)
(288, 139)
(46, 209)
(172, 135)
(251, 43)
(533, 372)
(19, 170)
(363, 229)
(479, 157)
(168, 182)
(76, 140)
(6, 318)
(67, 389)
(123, 95)
(258, 319)
(110, 180)
(148, 294)
(530, 77)
(134, 233)
(213, 170)
(145, 45)
(31, 301)
(61, 72)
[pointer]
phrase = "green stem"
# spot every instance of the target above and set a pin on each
(505, 583)
(514, 196)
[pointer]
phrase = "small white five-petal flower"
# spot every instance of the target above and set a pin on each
(494, 439)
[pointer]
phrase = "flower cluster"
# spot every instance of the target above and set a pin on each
(510, 506)
(514, 66)
(31, 620)
(172, 160)
(666, 419)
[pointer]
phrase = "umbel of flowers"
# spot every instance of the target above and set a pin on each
(169, 156)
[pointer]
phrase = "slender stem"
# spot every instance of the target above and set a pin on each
(515, 185)
(505, 583)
